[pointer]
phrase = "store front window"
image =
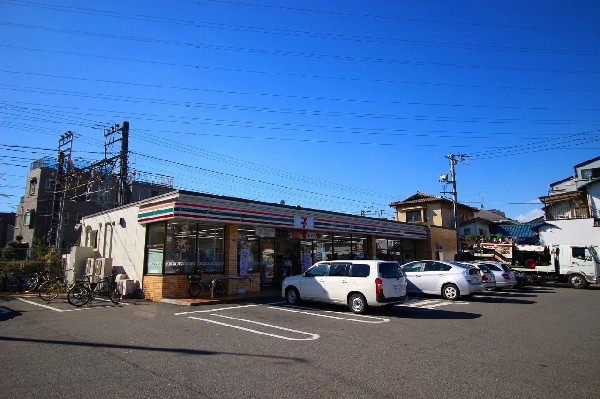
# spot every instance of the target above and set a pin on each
(184, 246)
(180, 251)
(402, 251)
(155, 245)
(211, 248)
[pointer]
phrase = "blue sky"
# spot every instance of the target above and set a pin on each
(337, 105)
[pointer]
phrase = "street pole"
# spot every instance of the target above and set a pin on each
(454, 159)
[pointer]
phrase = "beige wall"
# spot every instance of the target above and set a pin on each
(436, 213)
(427, 249)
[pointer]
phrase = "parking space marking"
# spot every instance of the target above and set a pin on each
(310, 336)
(430, 304)
(43, 306)
(215, 310)
(354, 317)
(54, 309)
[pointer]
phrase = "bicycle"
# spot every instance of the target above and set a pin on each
(83, 292)
(51, 289)
(13, 281)
(36, 280)
(196, 284)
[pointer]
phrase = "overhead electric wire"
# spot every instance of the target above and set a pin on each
(311, 76)
(301, 54)
(338, 13)
(295, 33)
(289, 96)
(310, 112)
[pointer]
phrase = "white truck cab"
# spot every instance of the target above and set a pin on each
(577, 265)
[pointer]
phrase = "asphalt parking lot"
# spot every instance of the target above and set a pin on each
(517, 343)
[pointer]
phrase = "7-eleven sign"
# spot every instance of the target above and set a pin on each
(304, 222)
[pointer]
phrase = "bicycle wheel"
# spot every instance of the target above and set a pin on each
(194, 289)
(30, 283)
(114, 293)
(219, 288)
(79, 295)
(49, 290)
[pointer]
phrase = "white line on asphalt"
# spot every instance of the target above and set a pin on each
(215, 310)
(310, 337)
(42, 305)
(430, 304)
(376, 320)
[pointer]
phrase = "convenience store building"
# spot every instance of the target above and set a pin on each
(157, 242)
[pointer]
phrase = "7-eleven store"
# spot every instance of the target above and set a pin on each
(158, 241)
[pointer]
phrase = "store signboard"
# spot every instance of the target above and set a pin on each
(304, 222)
(264, 231)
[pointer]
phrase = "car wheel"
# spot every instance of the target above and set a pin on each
(450, 292)
(357, 303)
(577, 281)
(292, 296)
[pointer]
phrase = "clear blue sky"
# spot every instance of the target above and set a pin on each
(340, 105)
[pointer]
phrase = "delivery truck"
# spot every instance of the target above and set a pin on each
(579, 266)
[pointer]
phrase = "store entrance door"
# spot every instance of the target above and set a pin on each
(287, 259)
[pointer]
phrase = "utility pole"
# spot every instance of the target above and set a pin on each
(454, 159)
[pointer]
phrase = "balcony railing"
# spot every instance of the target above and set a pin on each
(564, 212)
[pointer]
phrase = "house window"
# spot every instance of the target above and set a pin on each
(50, 185)
(28, 218)
(414, 216)
(32, 185)
(589, 174)
(94, 238)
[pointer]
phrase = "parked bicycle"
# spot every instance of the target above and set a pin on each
(13, 281)
(83, 292)
(196, 284)
(51, 289)
(35, 281)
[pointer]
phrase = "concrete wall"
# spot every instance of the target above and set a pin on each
(439, 237)
(593, 191)
(120, 237)
(570, 232)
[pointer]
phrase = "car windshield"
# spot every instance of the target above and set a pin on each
(463, 265)
(484, 268)
(390, 270)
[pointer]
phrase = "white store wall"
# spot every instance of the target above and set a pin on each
(120, 237)
(570, 232)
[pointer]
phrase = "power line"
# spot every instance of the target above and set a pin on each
(286, 53)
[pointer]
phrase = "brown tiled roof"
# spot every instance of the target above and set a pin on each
(423, 198)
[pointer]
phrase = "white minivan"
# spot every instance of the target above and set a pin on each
(356, 283)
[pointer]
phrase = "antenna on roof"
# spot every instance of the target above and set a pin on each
(481, 195)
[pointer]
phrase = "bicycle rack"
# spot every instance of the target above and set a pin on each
(214, 280)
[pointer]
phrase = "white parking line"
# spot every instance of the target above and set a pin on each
(310, 336)
(430, 304)
(375, 320)
(215, 310)
(44, 306)
(68, 310)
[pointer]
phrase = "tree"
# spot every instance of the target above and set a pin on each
(16, 249)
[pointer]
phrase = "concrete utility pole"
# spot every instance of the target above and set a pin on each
(63, 162)
(454, 159)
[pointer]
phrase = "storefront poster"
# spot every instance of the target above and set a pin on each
(244, 262)
(306, 261)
